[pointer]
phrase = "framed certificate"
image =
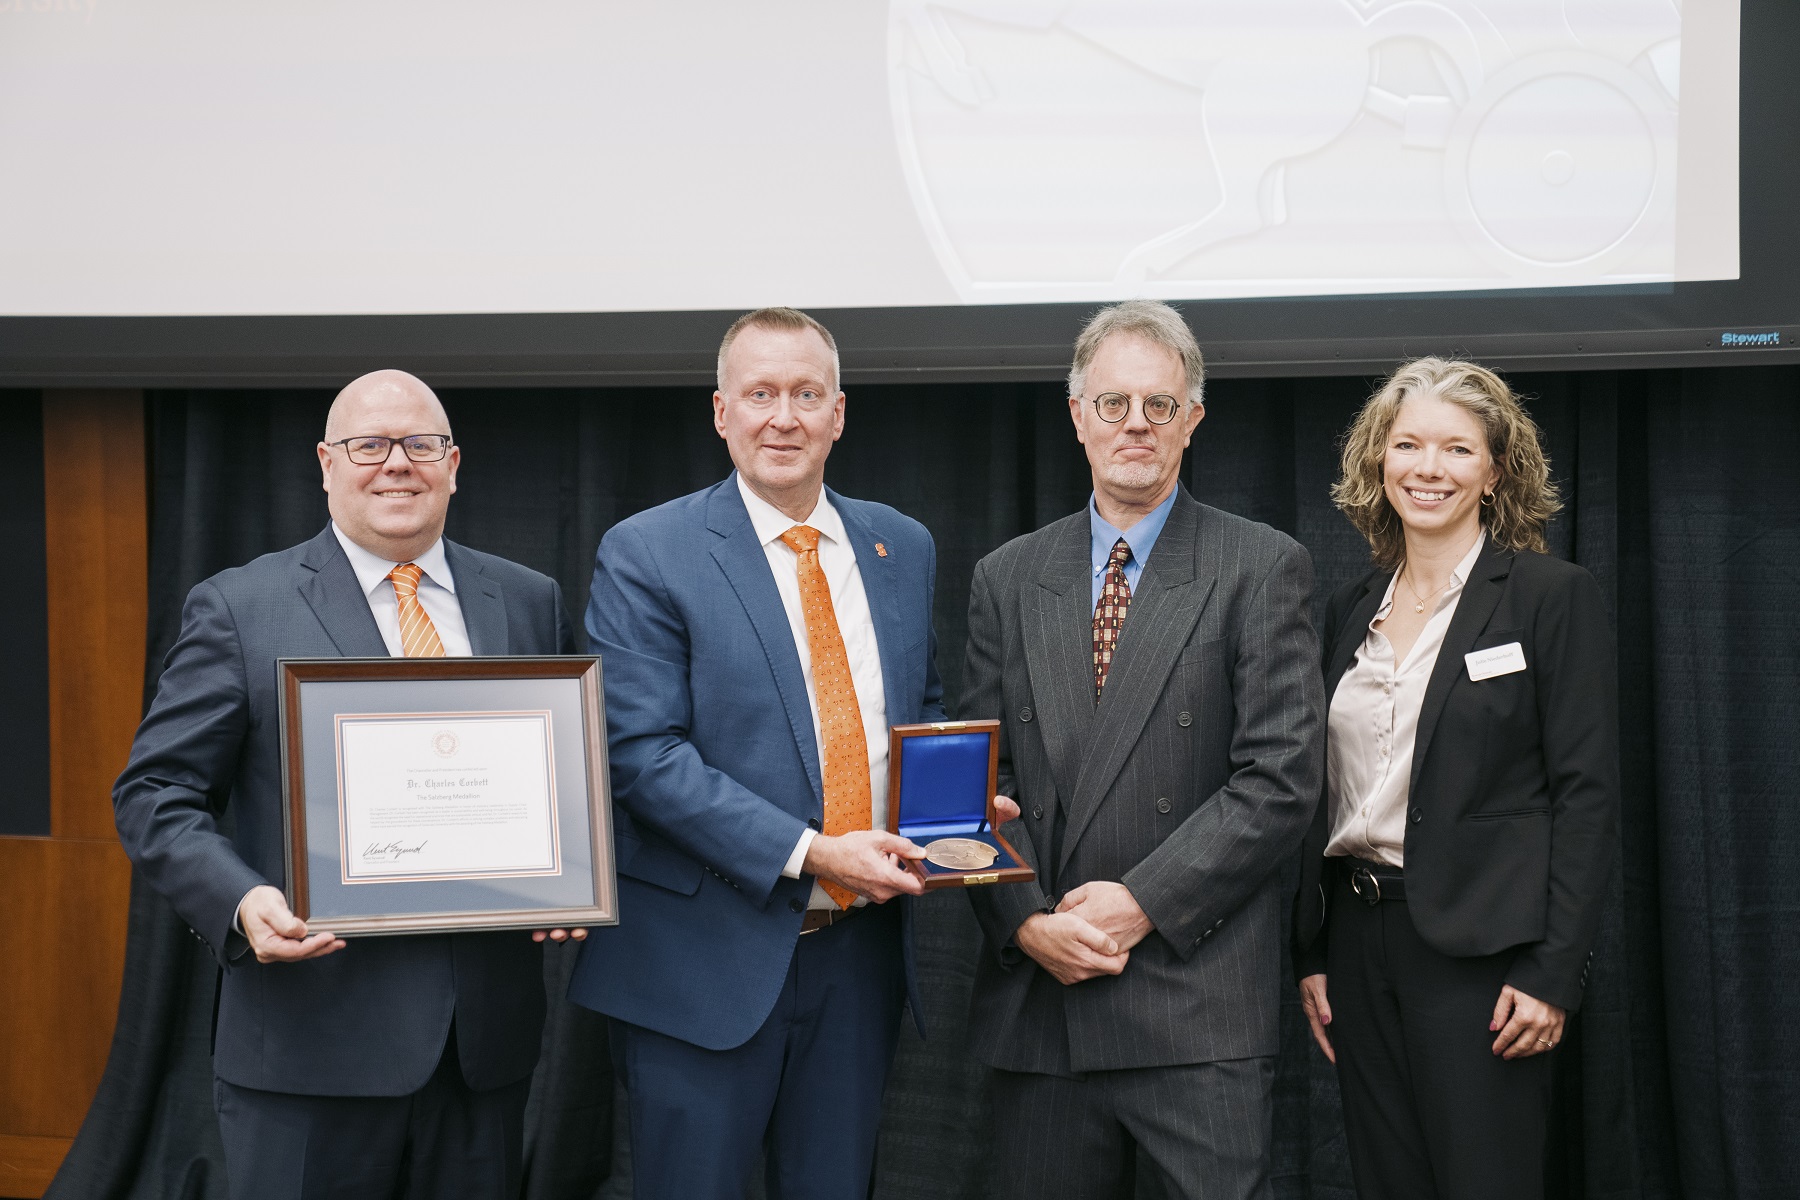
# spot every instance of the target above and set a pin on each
(428, 795)
(941, 779)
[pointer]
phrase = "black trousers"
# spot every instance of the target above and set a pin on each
(1430, 1112)
(446, 1141)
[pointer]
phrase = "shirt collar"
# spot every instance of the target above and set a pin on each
(1140, 537)
(770, 522)
(372, 569)
(1459, 575)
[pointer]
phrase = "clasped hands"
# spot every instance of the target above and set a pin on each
(867, 861)
(275, 934)
(1091, 933)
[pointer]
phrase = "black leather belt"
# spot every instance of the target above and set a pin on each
(1373, 882)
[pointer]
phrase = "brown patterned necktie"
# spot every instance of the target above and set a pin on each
(1109, 613)
(846, 750)
(418, 636)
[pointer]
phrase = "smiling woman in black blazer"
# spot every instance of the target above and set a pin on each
(1452, 881)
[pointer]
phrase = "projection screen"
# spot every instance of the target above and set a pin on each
(408, 158)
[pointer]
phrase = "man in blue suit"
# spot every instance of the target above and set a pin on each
(758, 638)
(397, 1066)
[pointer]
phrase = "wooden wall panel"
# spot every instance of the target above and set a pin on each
(97, 565)
(28, 1164)
(65, 897)
(65, 904)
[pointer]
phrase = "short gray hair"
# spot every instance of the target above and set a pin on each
(1151, 320)
(791, 319)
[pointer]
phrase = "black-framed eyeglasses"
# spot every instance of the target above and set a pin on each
(1113, 407)
(420, 447)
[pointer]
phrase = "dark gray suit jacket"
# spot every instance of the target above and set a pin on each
(1191, 782)
(371, 1019)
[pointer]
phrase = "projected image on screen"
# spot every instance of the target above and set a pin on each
(457, 156)
(1277, 147)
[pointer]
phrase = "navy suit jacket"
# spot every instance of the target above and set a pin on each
(371, 1019)
(715, 764)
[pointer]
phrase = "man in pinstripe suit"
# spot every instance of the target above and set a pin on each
(1157, 677)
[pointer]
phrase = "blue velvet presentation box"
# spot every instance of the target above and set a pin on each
(941, 780)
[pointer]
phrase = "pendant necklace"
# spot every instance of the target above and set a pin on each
(1420, 606)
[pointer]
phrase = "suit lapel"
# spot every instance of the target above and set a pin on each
(1350, 634)
(1057, 623)
(877, 573)
(1171, 593)
(1487, 582)
(331, 590)
(483, 607)
(746, 567)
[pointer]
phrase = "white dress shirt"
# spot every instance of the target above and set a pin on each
(837, 558)
(1374, 723)
(437, 595)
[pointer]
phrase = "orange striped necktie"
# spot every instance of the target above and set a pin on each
(846, 749)
(418, 636)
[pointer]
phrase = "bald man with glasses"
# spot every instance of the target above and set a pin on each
(389, 1066)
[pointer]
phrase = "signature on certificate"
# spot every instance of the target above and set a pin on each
(390, 851)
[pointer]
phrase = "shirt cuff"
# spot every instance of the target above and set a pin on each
(237, 915)
(798, 858)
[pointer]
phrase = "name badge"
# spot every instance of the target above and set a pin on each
(1496, 660)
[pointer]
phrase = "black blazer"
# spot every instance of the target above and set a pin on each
(371, 1019)
(1514, 798)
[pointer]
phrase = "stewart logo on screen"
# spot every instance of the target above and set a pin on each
(1770, 338)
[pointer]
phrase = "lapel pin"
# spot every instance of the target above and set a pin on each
(880, 549)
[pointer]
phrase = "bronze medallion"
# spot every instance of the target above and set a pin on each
(960, 854)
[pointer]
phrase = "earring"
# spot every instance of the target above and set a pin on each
(1487, 500)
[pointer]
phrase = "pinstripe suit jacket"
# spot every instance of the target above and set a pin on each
(1191, 782)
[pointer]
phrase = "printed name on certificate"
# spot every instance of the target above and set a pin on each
(446, 796)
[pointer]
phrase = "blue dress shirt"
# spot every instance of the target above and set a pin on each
(1141, 537)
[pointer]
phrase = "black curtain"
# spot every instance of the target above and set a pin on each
(1681, 1075)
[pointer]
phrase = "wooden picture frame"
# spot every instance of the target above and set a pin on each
(484, 780)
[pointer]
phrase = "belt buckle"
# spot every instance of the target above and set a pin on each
(1366, 886)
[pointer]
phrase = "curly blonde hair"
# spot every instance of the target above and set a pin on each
(1524, 498)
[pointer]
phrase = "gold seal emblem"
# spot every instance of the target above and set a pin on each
(444, 743)
(960, 854)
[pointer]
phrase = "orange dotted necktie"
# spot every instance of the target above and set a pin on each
(1109, 613)
(846, 750)
(418, 636)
